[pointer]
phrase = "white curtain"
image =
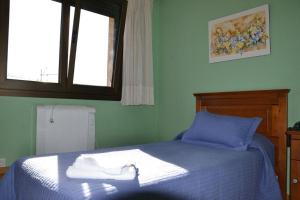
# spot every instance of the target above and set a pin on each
(137, 58)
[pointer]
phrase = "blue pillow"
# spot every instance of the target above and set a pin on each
(221, 130)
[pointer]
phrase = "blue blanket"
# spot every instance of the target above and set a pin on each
(173, 169)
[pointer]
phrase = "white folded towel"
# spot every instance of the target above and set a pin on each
(88, 167)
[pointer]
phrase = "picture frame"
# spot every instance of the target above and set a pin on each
(241, 35)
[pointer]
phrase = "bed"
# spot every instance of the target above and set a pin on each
(172, 169)
(270, 105)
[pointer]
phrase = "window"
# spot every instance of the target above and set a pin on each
(92, 56)
(33, 42)
(62, 48)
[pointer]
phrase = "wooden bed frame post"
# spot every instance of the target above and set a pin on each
(282, 128)
(270, 105)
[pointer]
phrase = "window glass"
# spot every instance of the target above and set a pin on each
(34, 39)
(94, 50)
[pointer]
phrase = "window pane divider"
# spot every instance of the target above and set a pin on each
(4, 20)
(73, 45)
(64, 41)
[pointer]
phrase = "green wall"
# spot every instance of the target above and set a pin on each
(115, 124)
(183, 58)
(181, 68)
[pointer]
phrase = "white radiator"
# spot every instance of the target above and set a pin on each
(62, 128)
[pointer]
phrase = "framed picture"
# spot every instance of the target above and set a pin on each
(240, 35)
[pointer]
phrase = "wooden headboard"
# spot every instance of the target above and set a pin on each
(270, 105)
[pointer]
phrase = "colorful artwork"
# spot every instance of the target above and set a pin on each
(241, 35)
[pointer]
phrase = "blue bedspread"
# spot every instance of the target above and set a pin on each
(181, 170)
